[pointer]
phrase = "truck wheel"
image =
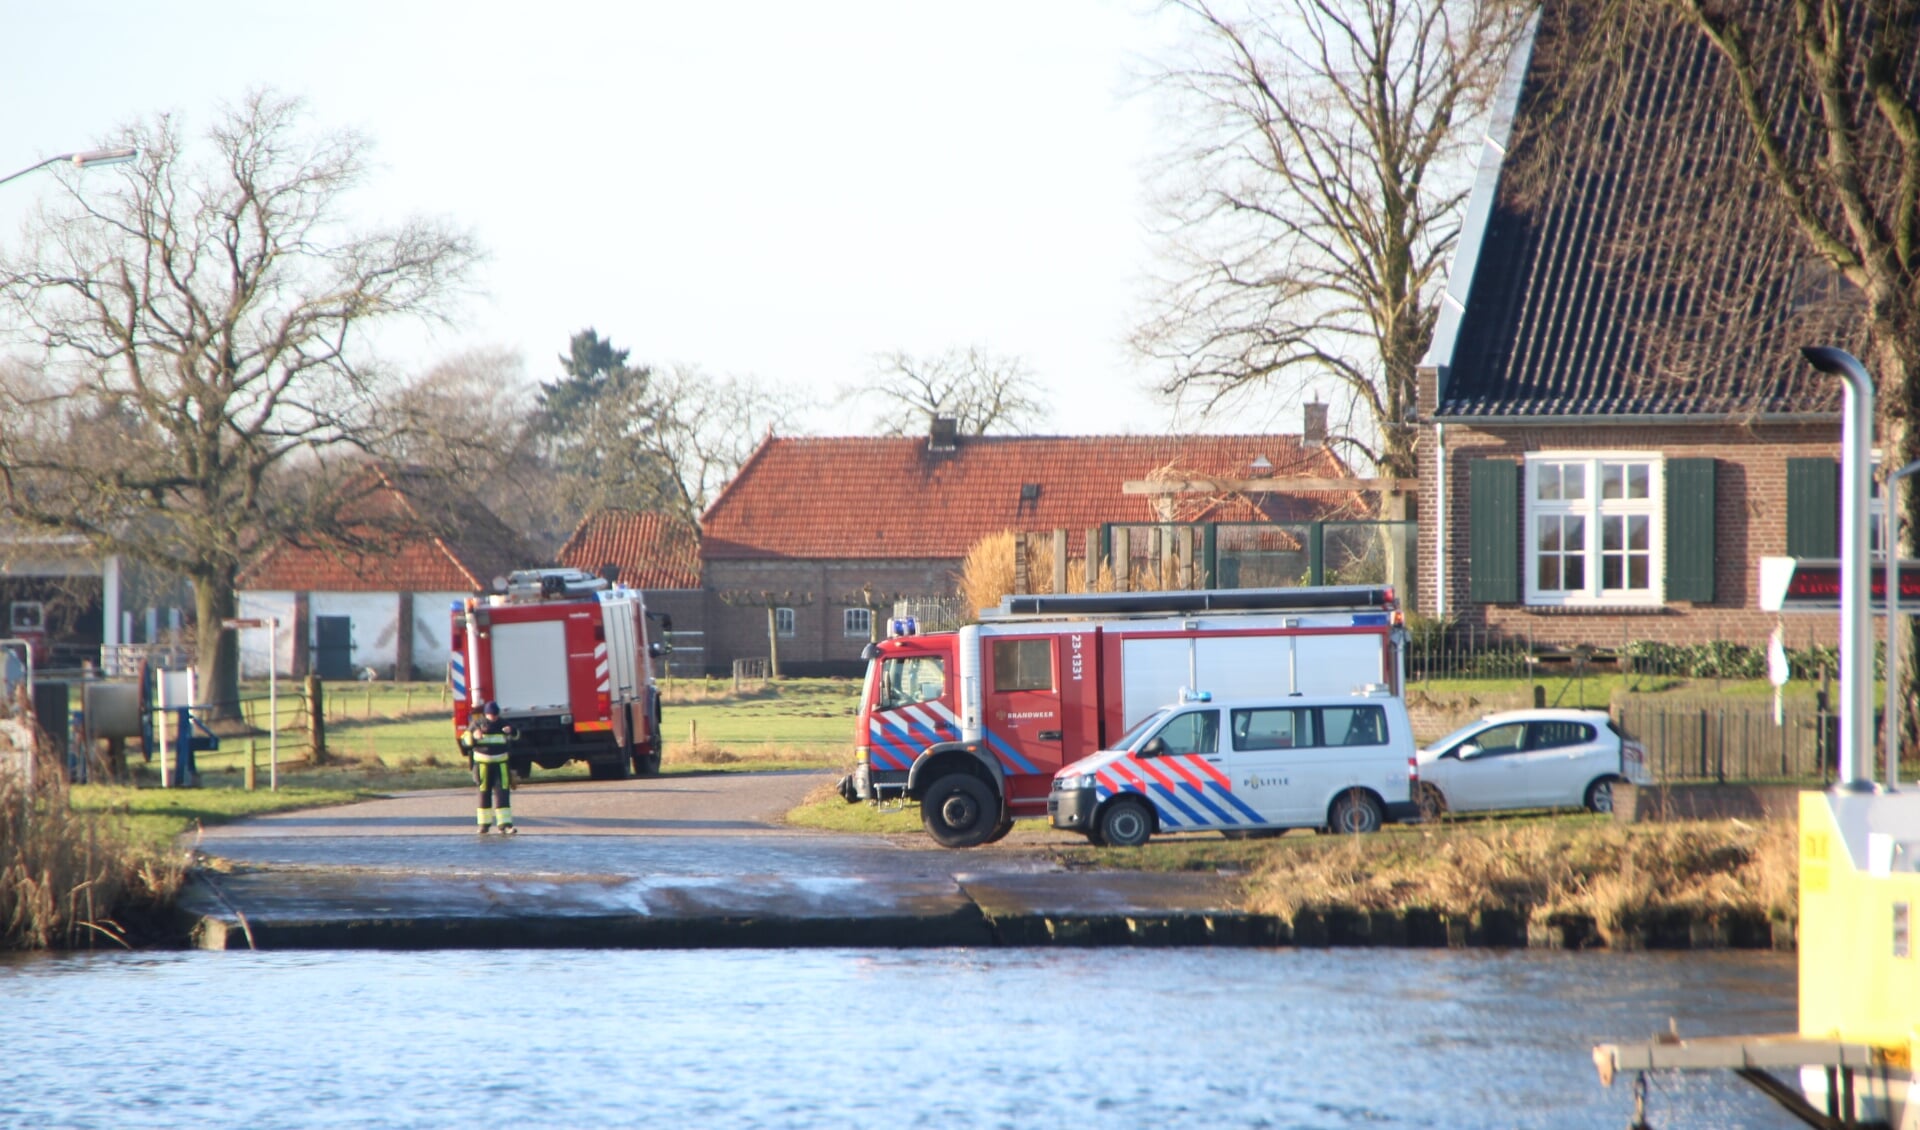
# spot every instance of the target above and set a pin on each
(1126, 823)
(1355, 811)
(960, 811)
(1000, 831)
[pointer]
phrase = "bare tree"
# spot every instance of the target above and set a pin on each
(198, 324)
(707, 428)
(1316, 204)
(470, 420)
(984, 392)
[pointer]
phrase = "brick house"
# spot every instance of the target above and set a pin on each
(658, 554)
(378, 597)
(1583, 479)
(830, 520)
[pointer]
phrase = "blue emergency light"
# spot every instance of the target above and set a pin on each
(902, 626)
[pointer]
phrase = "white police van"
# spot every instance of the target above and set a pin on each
(1246, 766)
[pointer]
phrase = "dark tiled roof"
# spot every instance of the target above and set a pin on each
(891, 497)
(1576, 308)
(402, 532)
(653, 550)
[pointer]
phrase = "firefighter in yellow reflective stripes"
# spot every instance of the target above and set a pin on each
(491, 740)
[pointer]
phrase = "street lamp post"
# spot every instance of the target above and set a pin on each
(85, 159)
(1893, 621)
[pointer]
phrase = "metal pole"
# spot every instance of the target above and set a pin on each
(1856, 632)
(273, 704)
(1893, 622)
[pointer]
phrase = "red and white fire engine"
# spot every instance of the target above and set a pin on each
(566, 656)
(973, 723)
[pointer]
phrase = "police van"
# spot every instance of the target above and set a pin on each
(1245, 767)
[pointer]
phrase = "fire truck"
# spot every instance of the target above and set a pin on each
(566, 655)
(973, 723)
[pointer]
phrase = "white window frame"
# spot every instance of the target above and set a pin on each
(1592, 510)
(857, 623)
(785, 623)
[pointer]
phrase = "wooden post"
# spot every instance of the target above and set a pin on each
(773, 641)
(1020, 564)
(1156, 556)
(1122, 558)
(1093, 558)
(316, 719)
(1183, 543)
(253, 762)
(1060, 560)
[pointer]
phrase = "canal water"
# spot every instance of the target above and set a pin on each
(869, 1038)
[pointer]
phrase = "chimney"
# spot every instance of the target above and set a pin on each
(944, 435)
(1315, 427)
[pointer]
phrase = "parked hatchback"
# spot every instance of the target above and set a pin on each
(1530, 759)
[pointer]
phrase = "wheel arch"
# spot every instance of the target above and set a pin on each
(1145, 801)
(1344, 791)
(936, 761)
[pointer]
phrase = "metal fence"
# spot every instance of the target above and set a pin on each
(1470, 652)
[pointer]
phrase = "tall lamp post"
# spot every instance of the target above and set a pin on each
(1893, 621)
(85, 159)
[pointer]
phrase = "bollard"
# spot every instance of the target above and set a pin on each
(1539, 697)
(253, 762)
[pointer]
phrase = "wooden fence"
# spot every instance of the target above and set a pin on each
(1711, 741)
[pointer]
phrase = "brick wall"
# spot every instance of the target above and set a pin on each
(1750, 516)
(819, 645)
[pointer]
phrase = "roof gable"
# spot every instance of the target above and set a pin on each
(893, 497)
(652, 549)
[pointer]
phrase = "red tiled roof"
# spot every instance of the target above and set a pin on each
(405, 533)
(880, 497)
(652, 549)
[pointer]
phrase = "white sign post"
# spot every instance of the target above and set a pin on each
(272, 625)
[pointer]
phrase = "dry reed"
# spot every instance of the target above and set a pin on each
(1618, 876)
(67, 876)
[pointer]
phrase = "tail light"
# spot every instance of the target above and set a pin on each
(1413, 771)
(604, 703)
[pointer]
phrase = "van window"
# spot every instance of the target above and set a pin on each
(1280, 727)
(1022, 665)
(918, 678)
(1354, 725)
(1196, 731)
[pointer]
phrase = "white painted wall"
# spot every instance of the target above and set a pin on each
(432, 620)
(376, 625)
(253, 641)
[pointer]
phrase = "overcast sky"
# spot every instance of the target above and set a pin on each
(765, 188)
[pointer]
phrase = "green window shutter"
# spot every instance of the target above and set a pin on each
(1493, 535)
(1690, 530)
(1813, 508)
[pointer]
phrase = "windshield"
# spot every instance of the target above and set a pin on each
(1143, 727)
(1457, 736)
(917, 678)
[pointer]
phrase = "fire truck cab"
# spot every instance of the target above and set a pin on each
(566, 655)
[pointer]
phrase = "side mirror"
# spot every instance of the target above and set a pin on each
(870, 652)
(1465, 750)
(656, 650)
(1154, 748)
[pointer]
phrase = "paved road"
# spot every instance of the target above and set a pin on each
(670, 861)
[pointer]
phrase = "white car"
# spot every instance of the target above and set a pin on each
(1530, 759)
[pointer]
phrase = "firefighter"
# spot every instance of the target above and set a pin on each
(490, 743)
